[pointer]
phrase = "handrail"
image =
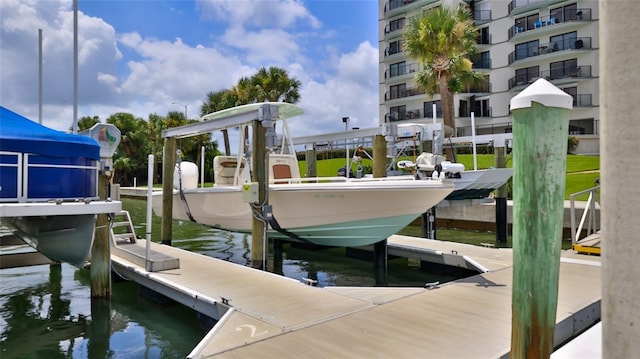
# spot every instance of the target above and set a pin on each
(587, 215)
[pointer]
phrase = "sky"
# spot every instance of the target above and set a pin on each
(155, 56)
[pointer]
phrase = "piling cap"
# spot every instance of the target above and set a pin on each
(544, 93)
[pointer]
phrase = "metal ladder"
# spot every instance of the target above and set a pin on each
(122, 220)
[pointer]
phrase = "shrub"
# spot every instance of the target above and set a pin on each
(572, 144)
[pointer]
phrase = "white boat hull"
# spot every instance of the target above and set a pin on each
(350, 213)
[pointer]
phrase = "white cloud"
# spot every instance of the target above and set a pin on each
(259, 14)
(352, 91)
(126, 72)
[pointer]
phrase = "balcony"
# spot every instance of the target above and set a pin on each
(567, 72)
(484, 63)
(478, 111)
(481, 16)
(392, 50)
(479, 88)
(397, 6)
(406, 115)
(401, 70)
(558, 75)
(491, 129)
(520, 6)
(545, 22)
(393, 95)
(580, 43)
(582, 100)
(391, 32)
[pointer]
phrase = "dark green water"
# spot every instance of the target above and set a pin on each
(46, 311)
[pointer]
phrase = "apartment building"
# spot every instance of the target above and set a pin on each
(519, 41)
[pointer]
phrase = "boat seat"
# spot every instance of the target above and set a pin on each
(225, 167)
(281, 171)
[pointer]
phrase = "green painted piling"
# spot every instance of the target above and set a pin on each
(540, 129)
(168, 165)
(259, 176)
(100, 271)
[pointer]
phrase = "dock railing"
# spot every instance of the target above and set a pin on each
(588, 215)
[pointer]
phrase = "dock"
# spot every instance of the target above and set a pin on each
(264, 314)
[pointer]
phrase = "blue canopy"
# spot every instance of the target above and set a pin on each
(19, 134)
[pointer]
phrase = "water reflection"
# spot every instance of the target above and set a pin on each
(46, 312)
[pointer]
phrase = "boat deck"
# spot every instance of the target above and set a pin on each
(263, 314)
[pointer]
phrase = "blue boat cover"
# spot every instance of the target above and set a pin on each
(19, 134)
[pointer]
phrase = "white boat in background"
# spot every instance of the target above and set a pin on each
(335, 211)
(473, 184)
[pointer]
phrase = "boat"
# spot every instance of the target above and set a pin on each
(469, 184)
(326, 211)
(48, 188)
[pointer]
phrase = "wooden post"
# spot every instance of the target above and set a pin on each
(540, 130)
(501, 193)
(379, 170)
(619, 177)
(379, 156)
(168, 165)
(310, 157)
(100, 271)
(259, 176)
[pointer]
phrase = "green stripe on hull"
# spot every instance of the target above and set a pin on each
(349, 234)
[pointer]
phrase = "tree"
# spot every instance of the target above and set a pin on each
(272, 84)
(86, 122)
(216, 101)
(133, 149)
(443, 40)
(275, 85)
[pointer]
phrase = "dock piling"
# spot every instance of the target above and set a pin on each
(260, 176)
(100, 271)
(540, 129)
(499, 155)
(168, 164)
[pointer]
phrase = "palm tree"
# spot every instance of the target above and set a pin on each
(275, 85)
(216, 101)
(443, 40)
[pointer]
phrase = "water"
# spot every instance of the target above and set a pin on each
(46, 311)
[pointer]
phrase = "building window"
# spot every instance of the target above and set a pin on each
(398, 113)
(562, 69)
(395, 47)
(482, 61)
(527, 75)
(481, 108)
(428, 109)
(484, 38)
(527, 49)
(527, 22)
(564, 13)
(397, 91)
(397, 69)
(397, 24)
(564, 41)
